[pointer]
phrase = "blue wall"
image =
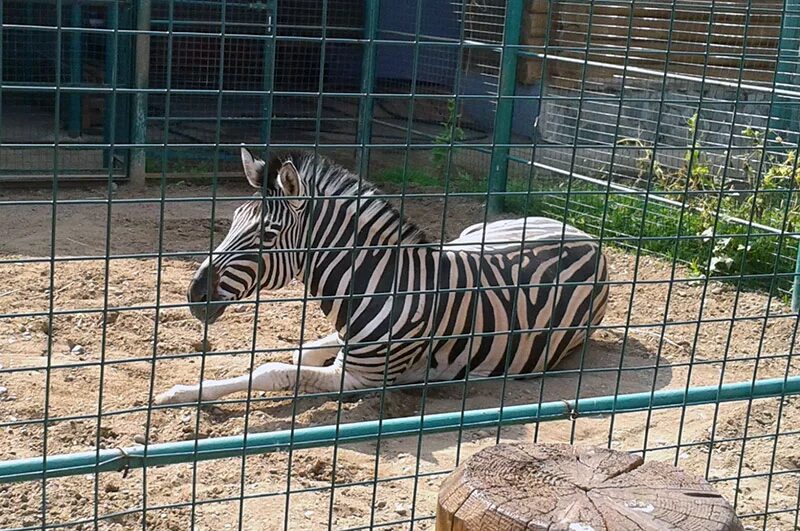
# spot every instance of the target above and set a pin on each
(437, 64)
(481, 110)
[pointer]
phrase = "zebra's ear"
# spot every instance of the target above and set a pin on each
(289, 180)
(253, 168)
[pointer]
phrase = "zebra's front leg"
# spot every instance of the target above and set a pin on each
(318, 353)
(268, 377)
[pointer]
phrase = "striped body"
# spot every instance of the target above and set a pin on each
(514, 298)
(463, 297)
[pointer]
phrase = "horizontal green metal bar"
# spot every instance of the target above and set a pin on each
(425, 40)
(657, 325)
(476, 146)
(328, 395)
(116, 460)
(767, 89)
(82, 2)
(619, 240)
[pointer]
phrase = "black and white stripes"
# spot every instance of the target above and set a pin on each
(513, 297)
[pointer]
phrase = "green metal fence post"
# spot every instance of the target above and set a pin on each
(74, 125)
(142, 74)
(111, 57)
(786, 113)
(796, 283)
(498, 169)
(364, 135)
(267, 81)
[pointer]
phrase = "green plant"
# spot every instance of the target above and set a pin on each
(695, 174)
(645, 161)
(773, 179)
(450, 134)
(461, 182)
(725, 253)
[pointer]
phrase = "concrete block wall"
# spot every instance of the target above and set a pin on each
(597, 121)
(587, 110)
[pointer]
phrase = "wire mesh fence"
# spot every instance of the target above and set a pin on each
(667, 131)
(66, 46)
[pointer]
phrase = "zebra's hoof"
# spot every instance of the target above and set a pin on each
(179, 394)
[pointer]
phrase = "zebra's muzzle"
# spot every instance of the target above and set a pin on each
(205, 305)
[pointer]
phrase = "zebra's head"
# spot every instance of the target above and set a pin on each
(260, 250)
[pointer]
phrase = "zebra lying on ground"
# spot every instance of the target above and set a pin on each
(403, 298)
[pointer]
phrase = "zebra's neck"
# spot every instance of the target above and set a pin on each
(342, 222)
(369, 226)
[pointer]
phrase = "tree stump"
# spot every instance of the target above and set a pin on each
(561, 487)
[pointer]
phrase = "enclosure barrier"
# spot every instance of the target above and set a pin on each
(203, 76)
(116, 460)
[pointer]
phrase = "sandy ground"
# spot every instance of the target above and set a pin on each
(706, 440)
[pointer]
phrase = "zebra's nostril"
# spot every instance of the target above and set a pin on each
(197, 293)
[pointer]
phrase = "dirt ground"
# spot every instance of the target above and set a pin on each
(700, 346)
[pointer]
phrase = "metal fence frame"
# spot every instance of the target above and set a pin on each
(504, 161)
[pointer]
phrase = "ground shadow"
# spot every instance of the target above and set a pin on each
(605, 368)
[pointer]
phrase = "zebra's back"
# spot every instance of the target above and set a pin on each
(497, 328)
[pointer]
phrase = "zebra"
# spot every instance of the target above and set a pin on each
(507, 297)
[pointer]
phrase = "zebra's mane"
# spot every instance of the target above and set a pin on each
(329, 179)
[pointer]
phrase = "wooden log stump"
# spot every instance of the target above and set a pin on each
(560, 487)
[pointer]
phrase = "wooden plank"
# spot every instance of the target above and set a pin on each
(529, 71)
(675, 52)
(657, 10)
(680, 30)
(686, 17)
(659, 51)
(535, 34)
(650, 60)
(694, 26)
(649, 35)
(534, 28)
(570, 75)
(700, 33)
(677, 63)
(752, 71)
(538, 6)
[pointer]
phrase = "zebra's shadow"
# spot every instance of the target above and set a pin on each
(605, 367)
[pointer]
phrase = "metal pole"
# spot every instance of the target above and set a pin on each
(319, 436)
(267, 81)
(796, 283)
(75, 111)
(111, 55)
(786, 112)
(364, 134)
(141, 78)
(498, 168)
(788, 64)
